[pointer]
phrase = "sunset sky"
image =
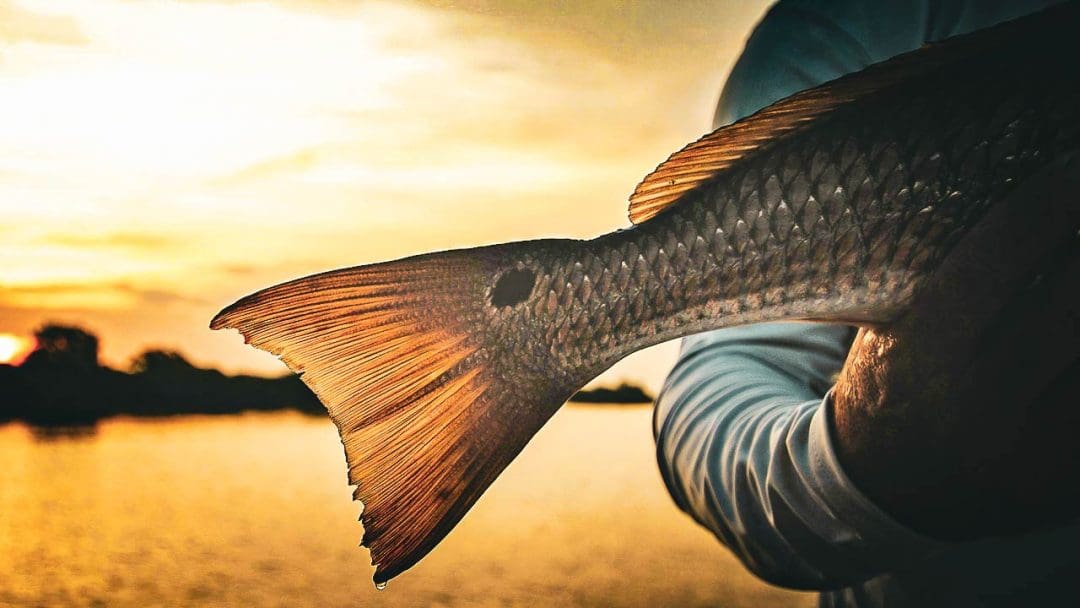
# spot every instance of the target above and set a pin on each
(160, 159)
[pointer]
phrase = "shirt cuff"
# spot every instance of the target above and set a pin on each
(885, 539)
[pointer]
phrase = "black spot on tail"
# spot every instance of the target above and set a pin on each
(512, 287)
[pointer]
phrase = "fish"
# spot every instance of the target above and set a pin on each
(834, 204)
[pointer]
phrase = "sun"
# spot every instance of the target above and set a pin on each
(13, 349)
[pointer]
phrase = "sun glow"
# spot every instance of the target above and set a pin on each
(13, 349)
(159, 160)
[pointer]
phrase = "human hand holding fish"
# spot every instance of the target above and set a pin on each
(947, 417)
(836, 204)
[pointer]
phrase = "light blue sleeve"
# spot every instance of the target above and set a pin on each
(803, 43)
(742, 424)
(744, 447)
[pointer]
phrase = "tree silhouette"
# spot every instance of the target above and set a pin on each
(64, 346)
(61, 384)
(161, 362)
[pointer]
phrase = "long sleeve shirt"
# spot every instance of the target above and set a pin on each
(742, 424)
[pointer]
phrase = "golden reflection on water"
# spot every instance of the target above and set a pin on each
(253, 510)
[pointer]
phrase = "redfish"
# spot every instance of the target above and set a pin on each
(834, 204)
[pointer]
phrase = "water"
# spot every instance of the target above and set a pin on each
(254, 510)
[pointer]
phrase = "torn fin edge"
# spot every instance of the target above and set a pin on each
(389, 350)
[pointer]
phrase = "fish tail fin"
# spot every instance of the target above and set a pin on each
(400, 353)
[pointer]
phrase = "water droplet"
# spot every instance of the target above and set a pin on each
(380, 586)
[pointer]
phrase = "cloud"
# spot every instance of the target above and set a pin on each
(149, 295)
(240, 270)
(632, 33)
(190, 152)
(107, 296)
(113, 240)
(21, 25)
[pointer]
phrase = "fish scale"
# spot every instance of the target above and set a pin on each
(866, 219)
(835, 204)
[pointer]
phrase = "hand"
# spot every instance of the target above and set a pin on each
(960, 419)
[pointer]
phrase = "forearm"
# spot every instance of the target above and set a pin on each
(960, 419)
(729, 384)
(729, 447)
(744, 447)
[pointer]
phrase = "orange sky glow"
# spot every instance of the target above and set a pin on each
(159, 160)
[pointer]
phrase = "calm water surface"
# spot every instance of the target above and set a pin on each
(254, 510)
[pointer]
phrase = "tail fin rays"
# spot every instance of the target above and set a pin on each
(394, 351)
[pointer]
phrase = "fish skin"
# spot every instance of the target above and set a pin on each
(840, 221)
(438, 369)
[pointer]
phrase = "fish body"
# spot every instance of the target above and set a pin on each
(835, 204)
